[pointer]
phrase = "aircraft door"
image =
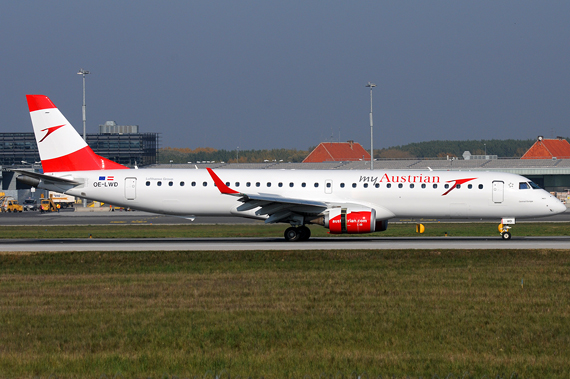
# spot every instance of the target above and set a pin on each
(328, 186)
(498, 191)
(130, 188)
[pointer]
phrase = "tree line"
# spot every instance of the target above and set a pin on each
(185, 155)
(510, 148)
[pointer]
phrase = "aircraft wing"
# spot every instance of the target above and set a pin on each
(285, 209)
(277, 208)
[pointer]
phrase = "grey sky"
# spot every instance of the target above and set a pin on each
(289, 74)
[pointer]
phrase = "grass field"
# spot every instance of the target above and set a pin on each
(203, 231)
(285, 314)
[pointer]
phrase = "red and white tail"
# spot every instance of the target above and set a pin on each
(61, 147)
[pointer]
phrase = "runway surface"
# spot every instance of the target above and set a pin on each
(236, 244)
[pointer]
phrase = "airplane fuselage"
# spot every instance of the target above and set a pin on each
(192, 192)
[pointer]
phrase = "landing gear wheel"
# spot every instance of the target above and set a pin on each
(292, 234)
(506, 235)
(305, 233)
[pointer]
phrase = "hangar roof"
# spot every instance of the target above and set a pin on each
(337, 152)
(548, 149)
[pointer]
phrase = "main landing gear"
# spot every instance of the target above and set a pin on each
(297, 233)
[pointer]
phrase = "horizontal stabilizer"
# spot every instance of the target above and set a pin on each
(47, 178)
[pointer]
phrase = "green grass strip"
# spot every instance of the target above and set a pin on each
(285, 314)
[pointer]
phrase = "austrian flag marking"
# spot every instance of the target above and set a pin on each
(106, 181)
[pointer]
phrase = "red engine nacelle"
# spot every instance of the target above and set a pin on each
(347, 221)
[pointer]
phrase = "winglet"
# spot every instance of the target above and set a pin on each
(221, 185)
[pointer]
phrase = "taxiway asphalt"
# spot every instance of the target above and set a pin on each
(236, 244)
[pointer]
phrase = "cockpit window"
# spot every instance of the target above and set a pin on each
(524, 185)
(534, 185)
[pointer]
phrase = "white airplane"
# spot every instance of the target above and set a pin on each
(342, 201)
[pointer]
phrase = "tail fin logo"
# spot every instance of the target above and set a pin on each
(50, 131)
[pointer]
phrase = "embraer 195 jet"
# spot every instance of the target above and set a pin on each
(343, 201)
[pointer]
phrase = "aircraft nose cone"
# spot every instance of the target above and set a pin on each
(559, 207)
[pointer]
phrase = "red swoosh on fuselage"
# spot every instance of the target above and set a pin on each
(457, 182)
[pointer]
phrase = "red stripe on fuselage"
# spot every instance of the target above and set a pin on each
(38, 102)
(82, 160)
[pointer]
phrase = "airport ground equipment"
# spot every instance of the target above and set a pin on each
(9, 204)
(47, 205)
(61, 199)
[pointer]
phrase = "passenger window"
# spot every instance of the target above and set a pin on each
(268, 184)
(353, 185)
(303, 185)
(205, 184)
(329, 185)
(470, 186)
(316, 185)
(170, 184)
(458, 186)
(446, 186)
(257, 184)
(435, 186)
(248, 184)
(400, 185)
(291, 184)
(411, 185)
(181, 184)
(147, 184)
(480, 186)
(280, 184)
(341, 185)
(237, 184)
(377, 185)
(228, 184)
(159, 183)
(389, 185)
(365, 185)
(423, 185)
(193, 184)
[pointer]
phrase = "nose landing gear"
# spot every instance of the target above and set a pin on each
(504, 228)
(505, 234)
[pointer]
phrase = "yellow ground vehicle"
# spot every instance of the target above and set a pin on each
(47, 205)
(9, 204)
(61, 199)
